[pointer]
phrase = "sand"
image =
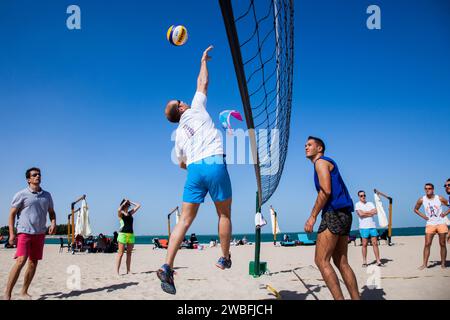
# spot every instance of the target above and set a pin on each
(291, 272)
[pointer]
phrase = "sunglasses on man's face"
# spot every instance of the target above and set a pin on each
(36, 174)
(362, 196)
(447, 185)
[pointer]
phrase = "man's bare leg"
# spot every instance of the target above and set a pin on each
(188, 214)
(14, 275)
(224, 212)
(426, 250)
(325, 246)
(365, 242)
(376, 250)
(341, 262)
(29, 275)
(443, 245)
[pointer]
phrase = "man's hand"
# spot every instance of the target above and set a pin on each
(52, 229)
(12, 238)
(309, 225)
(206, 57)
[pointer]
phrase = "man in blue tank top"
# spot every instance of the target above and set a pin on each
(336, 205)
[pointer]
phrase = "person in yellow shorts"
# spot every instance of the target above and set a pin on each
(436, 223)
(126, 234)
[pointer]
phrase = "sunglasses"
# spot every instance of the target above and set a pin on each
(447, 185)
(362, 196)
(36, 174)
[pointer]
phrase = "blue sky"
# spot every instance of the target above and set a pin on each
(86, 106)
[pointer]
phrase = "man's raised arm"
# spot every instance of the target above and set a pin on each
(203, 78)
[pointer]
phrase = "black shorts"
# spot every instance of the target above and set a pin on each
(338, 222)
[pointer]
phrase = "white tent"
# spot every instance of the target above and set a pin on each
(275, 225)
(82, 225)
(382, 219)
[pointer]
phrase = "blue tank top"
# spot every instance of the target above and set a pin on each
(339, 198)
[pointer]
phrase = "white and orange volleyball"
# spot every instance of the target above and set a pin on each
(177, 35)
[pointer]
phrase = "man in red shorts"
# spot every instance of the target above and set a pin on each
(30, 206)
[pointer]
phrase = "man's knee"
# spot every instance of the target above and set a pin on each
(321, 262)
(186, 221)
(20, 261)
(32, 264)
(340, 262)
(224, 213)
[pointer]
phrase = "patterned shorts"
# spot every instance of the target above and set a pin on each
(338, 222)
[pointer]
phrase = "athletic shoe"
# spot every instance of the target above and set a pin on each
(224, 263)
(165, 274)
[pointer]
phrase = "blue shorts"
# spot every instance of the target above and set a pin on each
(207, 175)
(368, 233)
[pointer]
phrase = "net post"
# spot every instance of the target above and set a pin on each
(390, 222)
(256, 267)
(233, 41)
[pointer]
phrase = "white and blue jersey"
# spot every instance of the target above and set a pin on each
(199, 144)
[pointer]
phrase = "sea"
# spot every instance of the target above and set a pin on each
(265, 237)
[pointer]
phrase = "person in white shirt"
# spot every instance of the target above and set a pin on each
(199, 149)
(436, 223)
(447, 190)
(367, 228)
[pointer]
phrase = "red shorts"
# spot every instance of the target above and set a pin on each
(30, 246)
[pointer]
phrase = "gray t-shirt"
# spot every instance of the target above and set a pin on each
(33, 208)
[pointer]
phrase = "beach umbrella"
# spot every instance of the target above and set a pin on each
(274, 220)
(382, 219)
(259, 220)
(82, 226)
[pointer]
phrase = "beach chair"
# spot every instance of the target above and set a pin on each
(164, 243)
(288, 243)
(156, 244)
(160, 243)
(62, 245)
(384, 236)
(307, 239)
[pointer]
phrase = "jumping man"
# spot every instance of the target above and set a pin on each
(199, 149)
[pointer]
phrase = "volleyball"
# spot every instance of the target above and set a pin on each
(177, 35)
